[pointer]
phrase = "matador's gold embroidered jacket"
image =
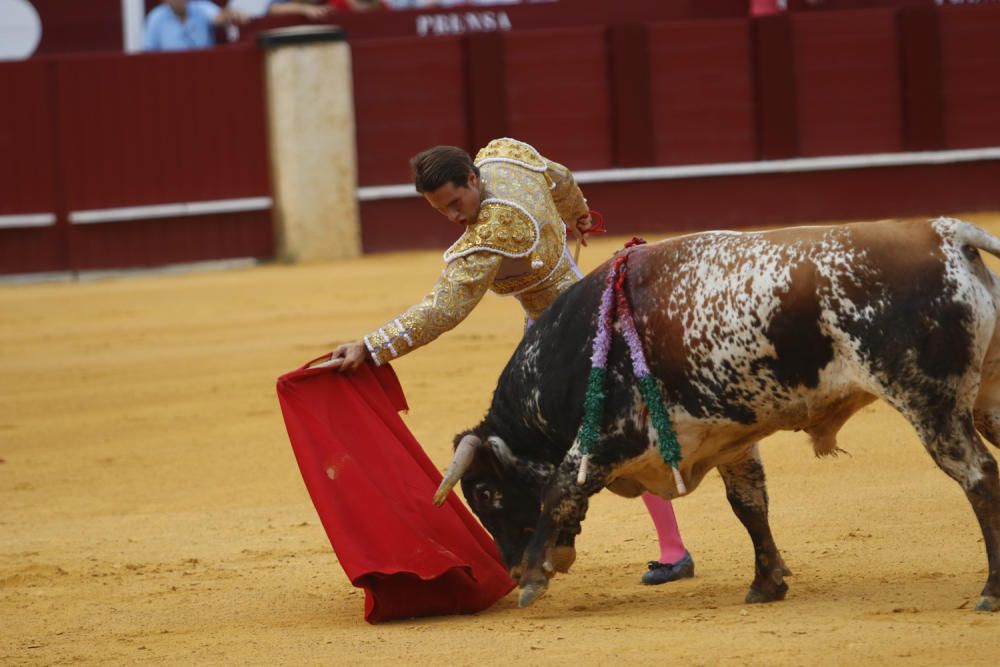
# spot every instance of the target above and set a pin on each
(517, 246)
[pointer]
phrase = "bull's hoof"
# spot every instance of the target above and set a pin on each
(530, 593)
(563, 558)
(757, 596)
(988, 603)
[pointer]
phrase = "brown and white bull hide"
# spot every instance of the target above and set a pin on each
(747, 334)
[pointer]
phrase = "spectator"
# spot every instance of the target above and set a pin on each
(432, 4)
(411, 4)
(356, 5)
(428, 4)
(181, 25)
(310, 9)
(318, 9)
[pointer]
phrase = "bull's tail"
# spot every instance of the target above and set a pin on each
(970, 240)
(974, 236)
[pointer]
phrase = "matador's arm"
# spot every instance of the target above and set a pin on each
(461, 286)
(566, 193)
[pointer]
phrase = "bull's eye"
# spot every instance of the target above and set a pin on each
(488, 498)
(484, 496)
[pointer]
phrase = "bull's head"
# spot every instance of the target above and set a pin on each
(503, 490)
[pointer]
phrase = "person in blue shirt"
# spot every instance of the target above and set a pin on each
(181, 25)
(310, 9)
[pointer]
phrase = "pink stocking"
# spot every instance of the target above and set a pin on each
(662, 513)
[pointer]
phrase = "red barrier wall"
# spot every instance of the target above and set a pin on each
(702, 92)
(167, 128)
(404, 224)
(74, 26)
(847, 82)
(729, 202)
(920, 79)
(107, 131)
(26, 139)
(776, 114)
(408, 95)
(557, 94)
(160, 241)
(796, 85)
(631, 96)
(732, 202)
(164, 128)
(28, 168)
(159, 133)
(970, 62)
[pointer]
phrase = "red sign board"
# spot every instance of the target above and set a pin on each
(97, 25)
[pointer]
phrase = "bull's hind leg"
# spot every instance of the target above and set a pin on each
(957, 449)
(746, 489)
(986, 414)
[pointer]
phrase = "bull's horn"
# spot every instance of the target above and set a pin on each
(501, 449)
(464, 454)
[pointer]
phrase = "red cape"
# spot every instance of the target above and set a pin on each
(372, 486)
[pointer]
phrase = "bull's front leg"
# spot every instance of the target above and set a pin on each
(564, 506)
(746, 490)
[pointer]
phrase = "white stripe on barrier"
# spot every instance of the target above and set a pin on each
(376, 192)
(27, 220)
(786, 166)
(373, 192)
(379, 192)
(169, 210)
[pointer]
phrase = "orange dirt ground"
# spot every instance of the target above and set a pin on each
(151, 509)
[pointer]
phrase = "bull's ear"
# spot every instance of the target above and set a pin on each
(536, 473)
(502, 451)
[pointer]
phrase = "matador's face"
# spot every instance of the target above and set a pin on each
(457, 203)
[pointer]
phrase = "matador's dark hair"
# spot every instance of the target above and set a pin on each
(439, 165)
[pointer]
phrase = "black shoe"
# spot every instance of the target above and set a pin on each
(661, 573)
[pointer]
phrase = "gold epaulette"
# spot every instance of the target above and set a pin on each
(511, 150)
(502, 227)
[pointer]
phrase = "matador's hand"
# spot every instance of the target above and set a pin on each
(346, 357)
(231, 16)
(582, 227)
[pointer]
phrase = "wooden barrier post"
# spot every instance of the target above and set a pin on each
(310, 104)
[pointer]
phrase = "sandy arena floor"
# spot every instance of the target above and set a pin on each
(151, 509)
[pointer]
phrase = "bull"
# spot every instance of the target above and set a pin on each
(746, 334)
